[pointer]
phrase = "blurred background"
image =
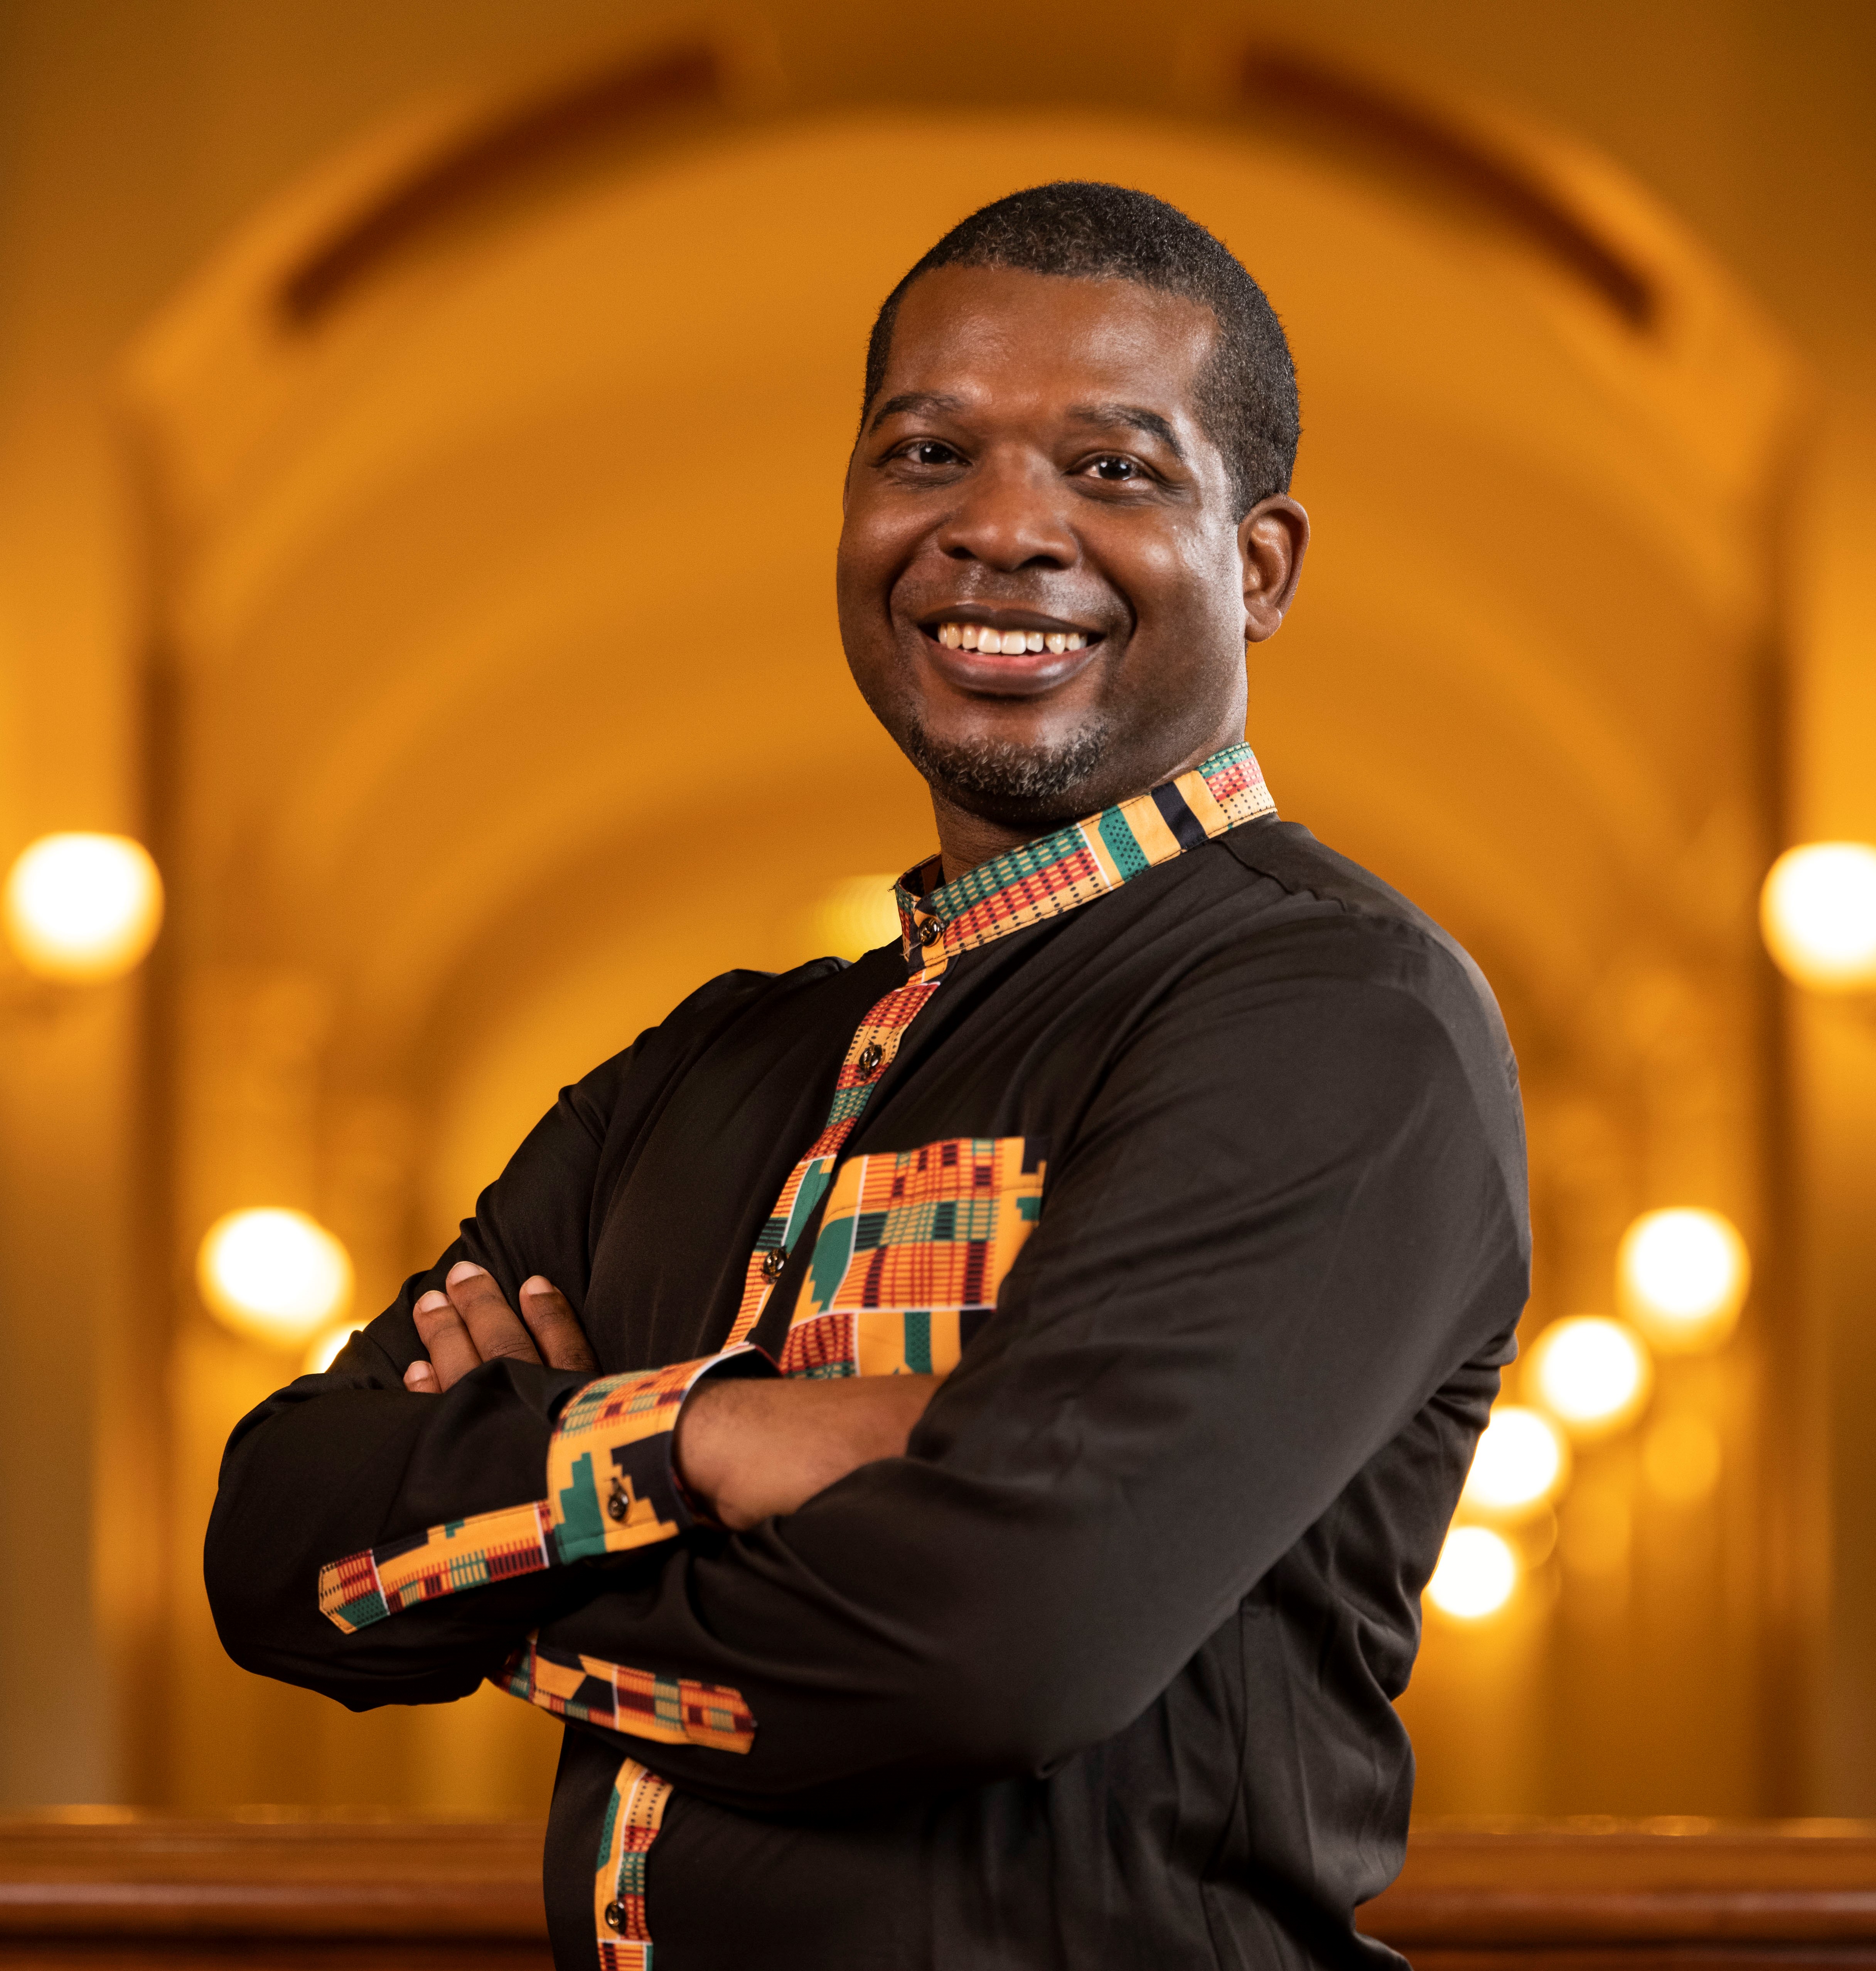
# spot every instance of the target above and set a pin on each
(421, 431)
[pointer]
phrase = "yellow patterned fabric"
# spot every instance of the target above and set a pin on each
(674, 1710)
(611, 1487)
(913, 1249)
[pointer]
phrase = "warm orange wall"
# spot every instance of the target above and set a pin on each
(134, 134)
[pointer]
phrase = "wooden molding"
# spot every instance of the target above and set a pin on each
(141, 1891)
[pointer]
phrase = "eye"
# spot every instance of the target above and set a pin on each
(929, 452)
(1115, 468)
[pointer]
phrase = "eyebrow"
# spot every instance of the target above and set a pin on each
(914, 400)
(1132, 417)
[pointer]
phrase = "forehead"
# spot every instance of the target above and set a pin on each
(993, 336)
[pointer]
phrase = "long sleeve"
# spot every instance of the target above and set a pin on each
(1288, 1226)
(344, 1497)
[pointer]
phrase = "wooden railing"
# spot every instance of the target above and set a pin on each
(272, 1893)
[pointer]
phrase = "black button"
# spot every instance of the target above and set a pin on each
(773, 1260)
(615, 1916)
(618, 1504)
(870, 1056)
(930, 931)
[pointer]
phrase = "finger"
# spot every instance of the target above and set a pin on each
(446, 1340)
(555, 1325)
(420, 1379)
(493, 1326)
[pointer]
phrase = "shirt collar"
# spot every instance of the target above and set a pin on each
(1057, 873)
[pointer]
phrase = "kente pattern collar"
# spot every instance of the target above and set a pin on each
(1055, 873)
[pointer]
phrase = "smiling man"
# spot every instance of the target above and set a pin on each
(960, 1437)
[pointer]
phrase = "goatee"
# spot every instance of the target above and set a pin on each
(1015, 786)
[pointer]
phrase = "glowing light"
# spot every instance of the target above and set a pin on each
(1818, 913)
(1521, 1464)
(274, 1276)
(80, 908)
(1681, 1456)
(323, 1349)
(1476, 1573)
(1593, 1374)
(1682, 1277)
(857, 916)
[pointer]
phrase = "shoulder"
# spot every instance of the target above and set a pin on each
(1305, 915)
(731, 1002)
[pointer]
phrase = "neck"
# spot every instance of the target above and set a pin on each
(966, 840)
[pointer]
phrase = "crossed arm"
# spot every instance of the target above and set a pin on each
(746, 1451)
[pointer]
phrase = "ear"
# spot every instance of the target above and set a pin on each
(1272, 539)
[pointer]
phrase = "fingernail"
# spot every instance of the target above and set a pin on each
(420, 1376)
(466, 1269)
(537, 1283)
(428, 1303)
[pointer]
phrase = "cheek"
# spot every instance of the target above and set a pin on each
(1186, 575)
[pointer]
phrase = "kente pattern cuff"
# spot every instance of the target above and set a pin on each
(611, 1486)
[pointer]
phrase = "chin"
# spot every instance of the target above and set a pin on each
(1016, 783)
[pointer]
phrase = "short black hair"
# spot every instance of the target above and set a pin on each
(1246, 395)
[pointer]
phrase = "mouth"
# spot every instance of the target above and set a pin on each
(1007, 652)
(1007, 633)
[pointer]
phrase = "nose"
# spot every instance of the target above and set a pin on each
(1011, 513)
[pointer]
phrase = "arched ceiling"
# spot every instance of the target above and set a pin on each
(496, 516)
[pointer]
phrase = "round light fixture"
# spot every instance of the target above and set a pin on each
(1818, 913)
(274, 1276)
(1593, 1374)
(1476, 1573)
(83, 908)
(1522, 1463)
(1681, 1277)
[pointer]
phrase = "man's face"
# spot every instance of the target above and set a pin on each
(1034, 469)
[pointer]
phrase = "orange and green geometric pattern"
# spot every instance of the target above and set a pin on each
(633, 1815)
(1086, 859)
(611, 1487)
(674, 1711)
(913, 1247)
(365, 1588)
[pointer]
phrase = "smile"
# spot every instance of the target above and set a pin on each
(1006, 642)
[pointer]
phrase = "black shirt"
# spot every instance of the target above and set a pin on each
(1198, 1151)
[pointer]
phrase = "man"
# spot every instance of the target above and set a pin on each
(1137, 1242)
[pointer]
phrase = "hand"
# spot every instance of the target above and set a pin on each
(471, 1324)
(747, 1450)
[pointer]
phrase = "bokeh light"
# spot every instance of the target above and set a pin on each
(1476, 1573)
(83, 908)
(274, 1276)
(1522, 1462)
(1681, 1458)
(1818, 913)
(857, 915)
(323, 1350)
(1681, 1277)
(1593, 1374)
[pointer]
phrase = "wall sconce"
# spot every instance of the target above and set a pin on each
(1594, 1375)
(1817, 912)
(1522, 1463)
(1681, 1277)
(273, 1276)
(79, 909)
(1476, 1574)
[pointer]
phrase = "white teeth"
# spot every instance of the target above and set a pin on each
(1007, 642)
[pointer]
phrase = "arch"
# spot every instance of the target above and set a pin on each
(492, 477)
